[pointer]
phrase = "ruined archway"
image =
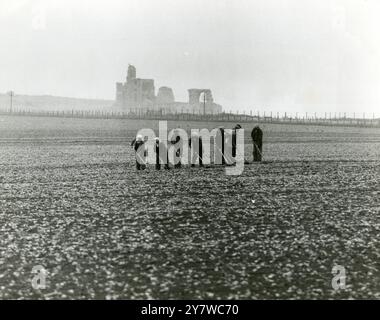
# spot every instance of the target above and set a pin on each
(194, 96)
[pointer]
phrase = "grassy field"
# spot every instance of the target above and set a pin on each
(72, 201)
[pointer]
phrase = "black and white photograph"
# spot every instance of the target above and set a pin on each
(189, 150)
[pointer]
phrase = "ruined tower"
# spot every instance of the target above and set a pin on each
(135, 92)
(165, 95)
(131, 75)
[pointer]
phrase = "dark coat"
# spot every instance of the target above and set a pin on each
(257, 135)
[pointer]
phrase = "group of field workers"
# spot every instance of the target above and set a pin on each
(197, 149)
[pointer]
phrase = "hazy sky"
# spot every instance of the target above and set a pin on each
(294, 55)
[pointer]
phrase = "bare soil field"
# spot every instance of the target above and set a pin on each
(72, 201)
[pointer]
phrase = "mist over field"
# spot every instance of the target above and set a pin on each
(285, 56)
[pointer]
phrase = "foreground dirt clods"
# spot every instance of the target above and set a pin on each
(71, 201)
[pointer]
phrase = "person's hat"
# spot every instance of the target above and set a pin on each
(139, 137)
(157, 139)
(238, 126)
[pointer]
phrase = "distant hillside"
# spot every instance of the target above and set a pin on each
(47, 102)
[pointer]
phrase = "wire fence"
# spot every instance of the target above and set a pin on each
(217, 117)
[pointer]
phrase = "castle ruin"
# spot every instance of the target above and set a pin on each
(139, 94)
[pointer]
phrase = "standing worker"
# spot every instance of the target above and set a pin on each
(257, 139)
(157, 149)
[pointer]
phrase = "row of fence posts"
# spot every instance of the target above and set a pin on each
(329, 118)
